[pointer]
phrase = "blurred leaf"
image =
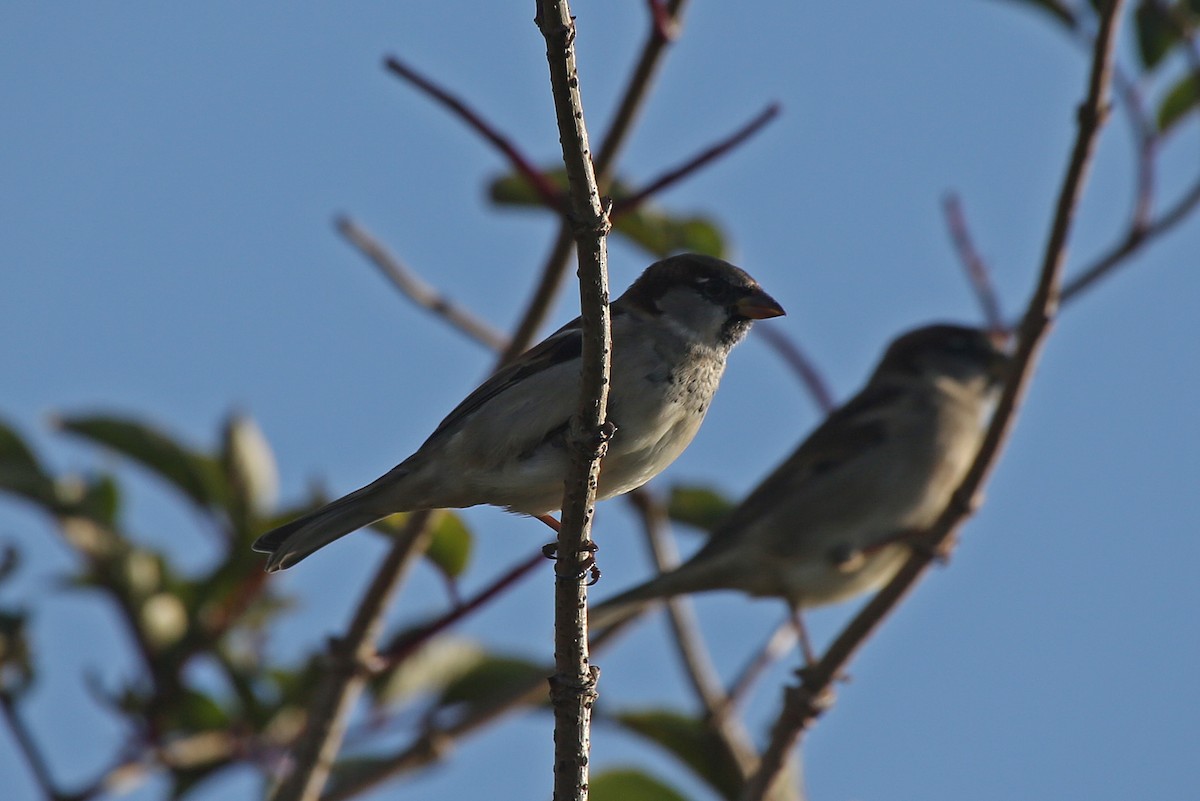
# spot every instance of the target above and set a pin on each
(192, 711)
(1183, 99)
(100, 500)
(1055, 8)
(450, 544)
(346, 772)
(493, 679)
(249, 464)
(20, 472)
(196, 475)
(10, 560)
(1156, 33)
(661, 234)
(692, 742)
(185, 780)
(626, 784)
(656, 231)
(16, 661)
(702, 507)
(431, 668)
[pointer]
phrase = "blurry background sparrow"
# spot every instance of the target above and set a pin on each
(505, 444)
(830, 522)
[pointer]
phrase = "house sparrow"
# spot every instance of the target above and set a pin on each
(830, 522)
(505, 445)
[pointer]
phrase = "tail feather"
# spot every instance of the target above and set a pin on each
(294, 541)
(697, 575)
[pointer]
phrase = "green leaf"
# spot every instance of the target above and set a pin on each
(196, 475)
(1156, 34)
(450, 544)
(654, 230)
(702, 507)
(1183, 99)
(692, 742)
(435, 665)
(191, 711)
(661, 234)
(493, 680)
(16, 660)
(20, 472)
(100, 500)
(627, 784)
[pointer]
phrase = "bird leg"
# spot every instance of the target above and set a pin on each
(587, 566)
(806, 649)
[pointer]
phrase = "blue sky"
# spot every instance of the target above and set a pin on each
(167, 183)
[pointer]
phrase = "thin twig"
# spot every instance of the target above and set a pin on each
(554, 267)
(663, 22)
(693, 654)
(803, 367)
(781, 642)
(350, 659)
(417, 290)
(573, 687)
(803, 704)
(436, 742)
(28, 747)
(688, 167)
(398, 651)
(549, 194)
(1134, 240)
(978, 274)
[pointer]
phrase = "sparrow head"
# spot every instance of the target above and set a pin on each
(968, 356)
(711, 298)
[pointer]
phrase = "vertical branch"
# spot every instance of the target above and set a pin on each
(637, 89)
(803, 704)
(349, 657)
(573, 686)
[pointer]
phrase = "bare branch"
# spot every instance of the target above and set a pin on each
(537, 179)
(1134, 240)
(804, 368)
(554, 268)
(398, 651)
(416, 289)
(781, 641)
(350, 659)
(573, 687)
(804, 703)
(978, 273)
(664, 24)
(702, 158)
(28, 747)
(693, 653)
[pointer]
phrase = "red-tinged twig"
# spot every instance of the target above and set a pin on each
(693, 653)
(780, 643)
(978, 274)
(663, 22)
(29, 748)
(549, 194)
(805, 702)
(702, 158)
(350, 658)
(554, 267)
(1134, 240)
(397, 652)
(413, 287)
(802, 366)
